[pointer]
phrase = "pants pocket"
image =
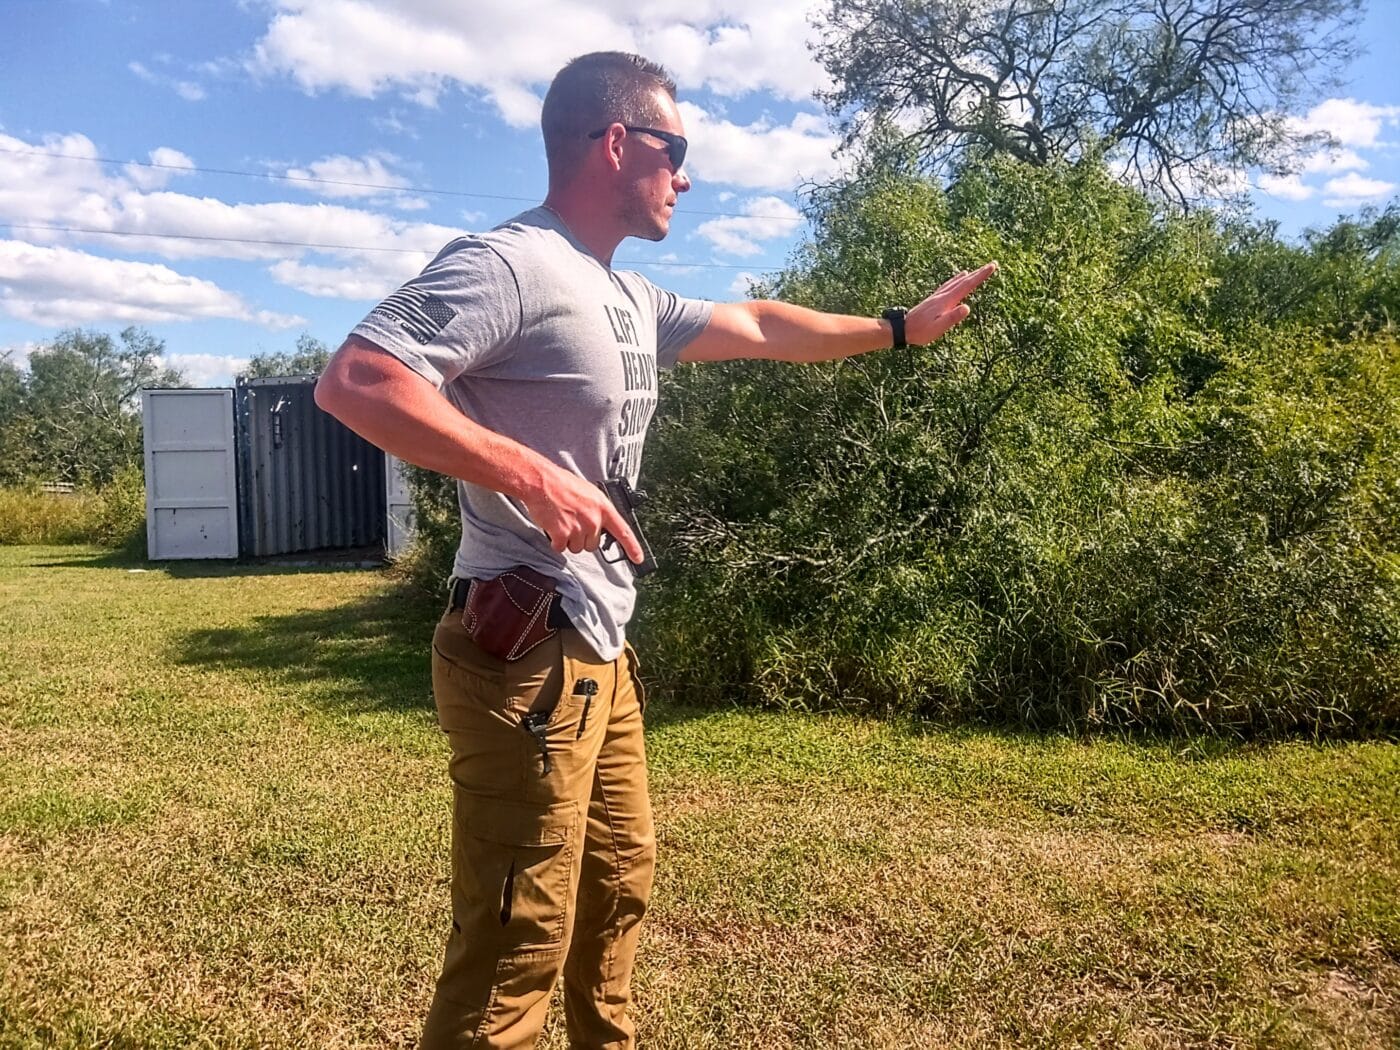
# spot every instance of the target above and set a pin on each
(517, 863)
(469, 683)
(634, 667)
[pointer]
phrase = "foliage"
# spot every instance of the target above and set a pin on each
(1094, 503)
(1179, 91)
(113, 517)
(121, 519)
(28, 514)
(309, 358)
(74, 415)
(1342, 281)
(16, 438)
(437, 529)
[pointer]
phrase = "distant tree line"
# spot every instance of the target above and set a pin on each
(74, 414)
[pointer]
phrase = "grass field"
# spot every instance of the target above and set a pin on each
(223, 823)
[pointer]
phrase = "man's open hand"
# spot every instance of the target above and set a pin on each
(945, 308)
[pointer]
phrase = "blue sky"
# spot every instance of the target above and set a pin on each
(235, 107)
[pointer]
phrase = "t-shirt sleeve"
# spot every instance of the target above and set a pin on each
(462, 313)
(678, 321)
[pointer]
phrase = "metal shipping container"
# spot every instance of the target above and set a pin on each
(260, 470)
(307, 482)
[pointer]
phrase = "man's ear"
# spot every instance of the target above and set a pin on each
(616, 133)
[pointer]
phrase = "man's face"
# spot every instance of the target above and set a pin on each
(653, 183)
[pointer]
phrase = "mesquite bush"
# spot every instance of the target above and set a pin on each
(1099, 502)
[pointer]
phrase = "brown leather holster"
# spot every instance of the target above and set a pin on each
(509, 615)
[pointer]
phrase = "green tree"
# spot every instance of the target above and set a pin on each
(1180, 92)
(308, 358)
(16, 439)
(79, 404)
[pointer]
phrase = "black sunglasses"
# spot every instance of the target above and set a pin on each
(676, 145)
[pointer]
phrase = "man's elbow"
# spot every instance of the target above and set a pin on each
(331, 391)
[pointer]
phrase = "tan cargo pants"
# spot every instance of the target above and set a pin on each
(552, 841)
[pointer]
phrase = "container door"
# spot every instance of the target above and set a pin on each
(398, 531)
(191, 481)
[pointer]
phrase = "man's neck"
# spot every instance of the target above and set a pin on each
(595, 231)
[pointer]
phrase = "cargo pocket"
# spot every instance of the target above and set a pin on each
(521, 858)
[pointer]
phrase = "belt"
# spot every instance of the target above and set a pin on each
(557, 617)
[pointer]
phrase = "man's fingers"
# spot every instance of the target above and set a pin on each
(954, 317)
(616, 525)
(964, 283)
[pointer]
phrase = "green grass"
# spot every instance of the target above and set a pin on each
(223, 823)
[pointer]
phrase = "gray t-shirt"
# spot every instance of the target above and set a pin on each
(531, 336)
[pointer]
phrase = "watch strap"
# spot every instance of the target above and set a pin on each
(895, 316)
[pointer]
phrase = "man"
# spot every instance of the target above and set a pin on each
(547, 358)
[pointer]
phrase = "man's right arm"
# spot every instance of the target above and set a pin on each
(389, 405)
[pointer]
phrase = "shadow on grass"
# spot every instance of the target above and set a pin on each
(366, 655)
(371, 654)
(312, 562)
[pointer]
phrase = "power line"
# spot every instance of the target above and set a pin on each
(347, 183)
(325, 247)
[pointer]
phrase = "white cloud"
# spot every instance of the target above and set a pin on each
(1285, 187)
(742, 285)
(342, 176)
(759, 155)
(507, 50)
(519, 107)
(765, 219)
(205, 369)
(671, 263)
(369, 178)
(60, 286)
(186, 89)
(1339, 160)
(1350, 122)
(1352, 188)
(745, 48)
(368, 282)
(171, 163)
(48, 191)
(19, 354)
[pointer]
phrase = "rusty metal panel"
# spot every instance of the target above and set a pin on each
(307, 482)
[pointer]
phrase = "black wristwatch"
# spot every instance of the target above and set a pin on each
(895, 316)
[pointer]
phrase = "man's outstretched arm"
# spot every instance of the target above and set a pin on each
(389, 405)
(783, 332)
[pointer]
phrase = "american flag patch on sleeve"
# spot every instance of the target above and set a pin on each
(420, 314)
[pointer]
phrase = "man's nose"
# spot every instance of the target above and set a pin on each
(680, 181)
